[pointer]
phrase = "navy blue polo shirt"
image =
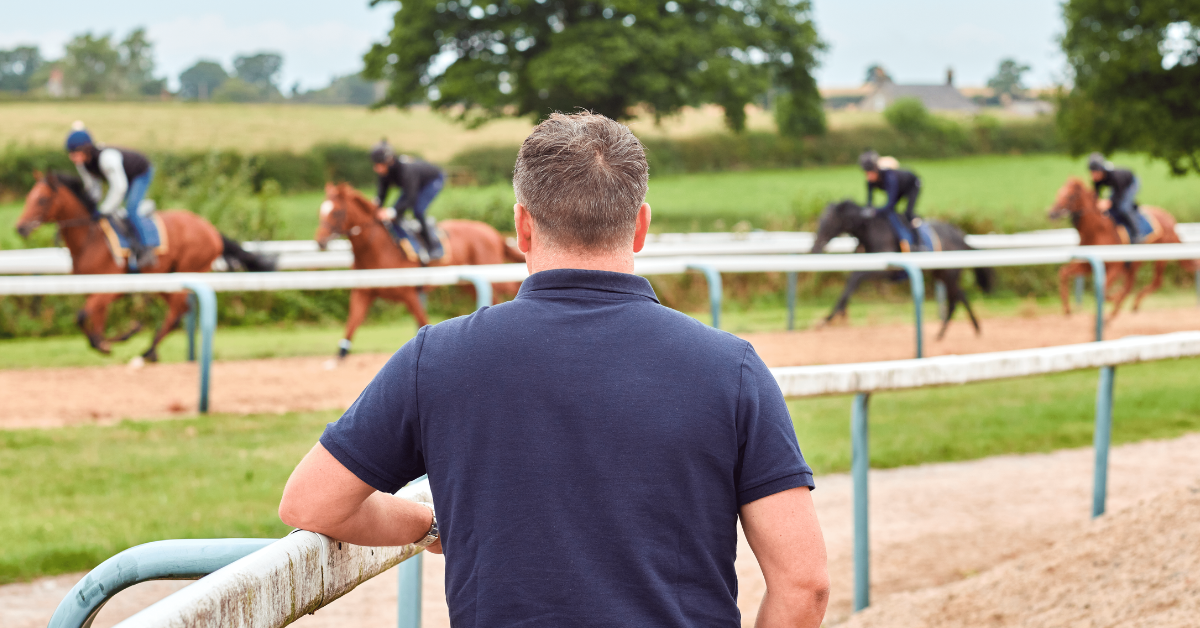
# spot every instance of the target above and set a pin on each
(588, 450)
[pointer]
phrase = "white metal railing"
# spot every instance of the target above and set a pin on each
(304, 254)
(305, 571)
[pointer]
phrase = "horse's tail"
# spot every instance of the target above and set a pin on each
(986, 278)
(238, 258)
(512, 253)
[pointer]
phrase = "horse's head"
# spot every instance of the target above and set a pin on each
(1074, 198)
(837, 218)
(343, 213)
(54, 198)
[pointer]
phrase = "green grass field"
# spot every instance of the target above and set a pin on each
(72, 497)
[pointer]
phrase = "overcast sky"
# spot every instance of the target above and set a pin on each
(916, 40)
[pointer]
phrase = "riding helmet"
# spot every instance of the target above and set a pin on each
(78, 139)
(382, 153)
(869, 161)
(1096, 161)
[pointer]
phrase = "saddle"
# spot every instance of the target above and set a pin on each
(117, 236)
(1146, 225)
(413, 245)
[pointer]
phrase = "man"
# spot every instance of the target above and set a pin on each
(589, 451)
(1123, 198)
(419, 184)
(128, 174)
(896, 184)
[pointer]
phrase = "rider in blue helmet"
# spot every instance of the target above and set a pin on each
(1123, 199)
(127, 173)
(419, 184)
(897, 184)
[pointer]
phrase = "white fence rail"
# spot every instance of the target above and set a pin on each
(304, 254)
(305, 571)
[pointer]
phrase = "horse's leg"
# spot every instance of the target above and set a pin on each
(410, 298)
(948, 278)
(177, 304)
(1065, 274)
(1159, 267)
(1130, 272)
(93, 319)
(360, 302)
(851, 285)
(962, 296)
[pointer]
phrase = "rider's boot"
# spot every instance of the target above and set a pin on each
(141, 256)
(429, 235)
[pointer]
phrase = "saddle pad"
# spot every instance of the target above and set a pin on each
(152, 226)
(1146, 224)
(410, 244)
(928, 239)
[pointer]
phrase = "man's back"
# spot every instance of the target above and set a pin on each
(588, 450)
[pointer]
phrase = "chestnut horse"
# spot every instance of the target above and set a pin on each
(346, 212)
(1095, 228)
(192, 246)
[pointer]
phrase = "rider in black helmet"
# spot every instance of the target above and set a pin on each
(1124, 192)
(419, 184)
(897, 184)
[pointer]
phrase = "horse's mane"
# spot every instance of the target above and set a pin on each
(73, 183)
(354, 197)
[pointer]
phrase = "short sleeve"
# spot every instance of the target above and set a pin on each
(769, 458)
(379, 437)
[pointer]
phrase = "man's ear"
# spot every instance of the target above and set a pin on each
(524, 225)
(641, 228)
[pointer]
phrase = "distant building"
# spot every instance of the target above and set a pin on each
(882, 92)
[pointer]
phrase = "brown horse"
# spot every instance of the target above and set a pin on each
(346, 212)
(1095, 228)
(191, 245)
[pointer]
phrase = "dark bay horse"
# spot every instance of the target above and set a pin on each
(192, 246)
(346, 212)
(1095, 228)
(875, 235)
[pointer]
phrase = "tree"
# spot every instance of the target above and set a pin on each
(92, 65)
(876, 74)
(1008, 79)
(17, 67)
(201, 80)
(1136, 79)
(237, 90)
(261, 70)
(534, 57)
(136, 63)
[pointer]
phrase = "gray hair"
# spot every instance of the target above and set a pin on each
(582, 177)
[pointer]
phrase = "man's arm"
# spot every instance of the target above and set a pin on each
(786, 538)
(112, 164)
(323, 496)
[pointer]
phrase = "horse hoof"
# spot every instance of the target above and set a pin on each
(151, 355)
(137, 363)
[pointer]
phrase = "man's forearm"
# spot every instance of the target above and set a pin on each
(804, 608)
(381, 520)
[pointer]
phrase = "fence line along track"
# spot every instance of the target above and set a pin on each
(205, 285)
(304, 254)
(304, 571)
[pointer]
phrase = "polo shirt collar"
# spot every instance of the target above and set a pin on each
(579, 279)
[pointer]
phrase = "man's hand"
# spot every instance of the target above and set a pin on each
(324, 496)
(786, 538)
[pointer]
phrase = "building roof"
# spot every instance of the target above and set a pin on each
(937, 97)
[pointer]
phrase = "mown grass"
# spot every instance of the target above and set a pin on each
(72, 497)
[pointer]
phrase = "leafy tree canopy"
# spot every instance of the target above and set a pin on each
(201, 80)
(96, 65)
(1136, 79)
(1008, 78)
(17, 66)
(261, 69)
(532, 57)
(876, 74)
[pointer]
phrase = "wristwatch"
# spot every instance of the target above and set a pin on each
(432, 535)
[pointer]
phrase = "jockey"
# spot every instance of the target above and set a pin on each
(419, 184)
(897, 184)
(128, 174)
(1123, 199)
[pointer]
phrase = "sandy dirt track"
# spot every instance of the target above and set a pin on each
(934, 527)
(67, 396)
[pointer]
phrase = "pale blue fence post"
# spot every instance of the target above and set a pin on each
(1078, 289)
(939, 289)
(409, 599)
(791, 298)
(860, 465)
(1102, 438)
(1098, 280)
(714, 290)
(208, 324)
(916, 281)
(483, 289)
(184, 559)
